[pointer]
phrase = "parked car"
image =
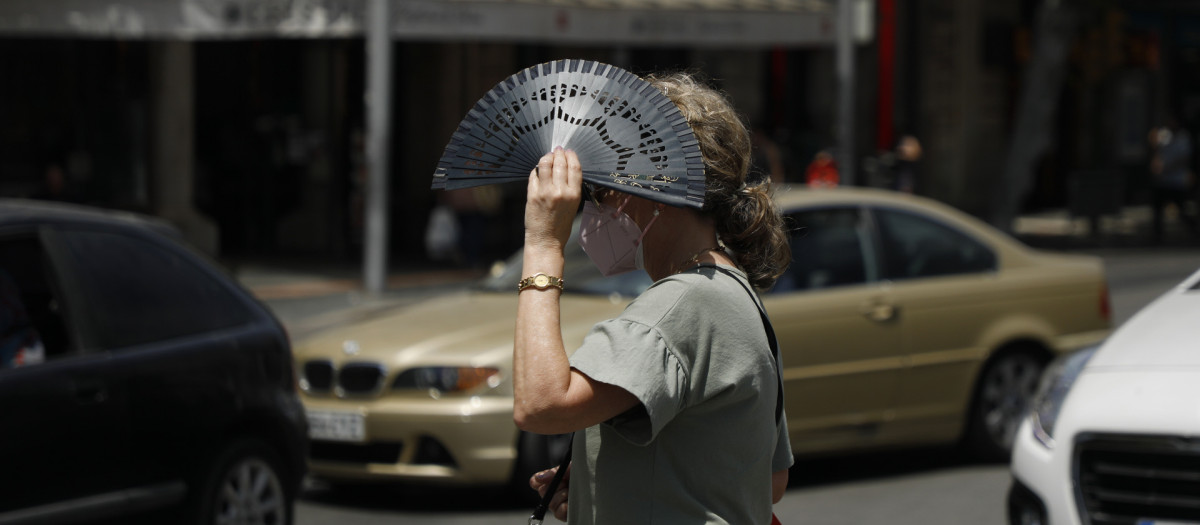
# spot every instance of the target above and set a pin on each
(902, 322)
(1113, 435)
(136, 376)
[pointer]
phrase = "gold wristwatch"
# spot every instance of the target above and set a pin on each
(540, 281)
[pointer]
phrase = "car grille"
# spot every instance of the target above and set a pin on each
(385, 453)
(1124, 479)
(429, 451)
(320, 377)
(360, 378)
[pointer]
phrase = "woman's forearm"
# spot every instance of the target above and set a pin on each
(779, 482)
(549, 397)
(541, 371)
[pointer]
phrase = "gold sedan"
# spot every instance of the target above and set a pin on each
(902, 322)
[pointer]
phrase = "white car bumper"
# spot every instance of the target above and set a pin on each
(1142, 424)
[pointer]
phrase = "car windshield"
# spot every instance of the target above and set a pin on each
(579, 274)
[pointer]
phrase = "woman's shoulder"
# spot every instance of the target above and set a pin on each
(710, 278)
(703, 285)
(657, 301)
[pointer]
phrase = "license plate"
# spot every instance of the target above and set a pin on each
(337, 426)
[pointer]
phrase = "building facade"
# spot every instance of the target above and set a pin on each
(243, 122)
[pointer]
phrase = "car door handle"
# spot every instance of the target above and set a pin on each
(879, 312)
(91, 393)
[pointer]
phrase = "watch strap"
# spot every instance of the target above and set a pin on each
(540, 281)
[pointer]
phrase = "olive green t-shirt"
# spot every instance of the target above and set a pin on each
(702, 445)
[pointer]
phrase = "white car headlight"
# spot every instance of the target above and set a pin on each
(1056, 382)
(446, 378)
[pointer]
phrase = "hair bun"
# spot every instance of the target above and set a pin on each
(737, 198)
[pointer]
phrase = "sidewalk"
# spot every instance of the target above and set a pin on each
(1131, 228)
(280, 282)
(308, 297)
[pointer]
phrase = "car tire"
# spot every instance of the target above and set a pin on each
(1002, 396)
(535, 453)
(244, 485)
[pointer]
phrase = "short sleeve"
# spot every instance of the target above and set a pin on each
(782, 459)
(635, 357)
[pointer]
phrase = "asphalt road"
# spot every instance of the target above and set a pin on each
(910, 487)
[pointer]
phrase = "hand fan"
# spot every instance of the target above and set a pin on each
(628, 135)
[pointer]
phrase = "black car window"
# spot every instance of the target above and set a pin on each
(138, 291)
(830, 247)
(31, 325)
(915, 246)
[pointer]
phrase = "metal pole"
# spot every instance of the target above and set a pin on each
(379, 111)
(1055, 26)
(845, 84)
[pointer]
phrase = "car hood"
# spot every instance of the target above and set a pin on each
(462, 329)
(1163, 334)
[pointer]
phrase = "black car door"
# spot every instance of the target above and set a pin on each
(64, 430)
(176, 333)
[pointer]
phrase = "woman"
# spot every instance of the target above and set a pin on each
(678, 394)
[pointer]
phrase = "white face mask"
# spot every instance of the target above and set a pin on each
(612, 239)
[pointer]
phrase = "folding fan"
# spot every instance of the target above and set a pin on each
(628, 135)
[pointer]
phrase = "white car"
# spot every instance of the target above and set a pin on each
(1113, 435)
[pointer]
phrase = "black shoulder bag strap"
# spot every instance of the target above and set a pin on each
(539, 512)
(770, 339)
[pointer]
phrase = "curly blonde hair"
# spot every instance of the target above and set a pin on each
(747, 220)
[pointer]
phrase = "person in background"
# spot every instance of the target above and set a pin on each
(823, 171)
(904, 171)
(55, 186)
(673, 403)
(20, 344)
(768, 158)
(1171, 169)
(475, 210)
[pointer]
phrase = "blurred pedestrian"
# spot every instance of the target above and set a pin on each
(1171, 171)
(676, 401)
(904, 170)
(823, 171)
(20, 344)
(55, 185)
(767, 160)
(475, 210)
(442, 234)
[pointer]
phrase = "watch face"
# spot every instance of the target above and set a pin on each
(541, 281)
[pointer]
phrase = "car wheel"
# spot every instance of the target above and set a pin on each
(244, 487)
(535, 453)
(1002, 396)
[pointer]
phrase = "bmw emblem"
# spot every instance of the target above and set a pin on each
(350, 347)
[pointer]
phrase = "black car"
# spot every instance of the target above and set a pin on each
(136, 376)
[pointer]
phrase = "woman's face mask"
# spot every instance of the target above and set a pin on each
(611, 238)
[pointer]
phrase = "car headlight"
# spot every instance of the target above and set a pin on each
(446, 378)
(1056, 382)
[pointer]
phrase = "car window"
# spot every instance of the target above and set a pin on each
(916, 246)
(830, 247)
(31, 325)
(137, 291)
